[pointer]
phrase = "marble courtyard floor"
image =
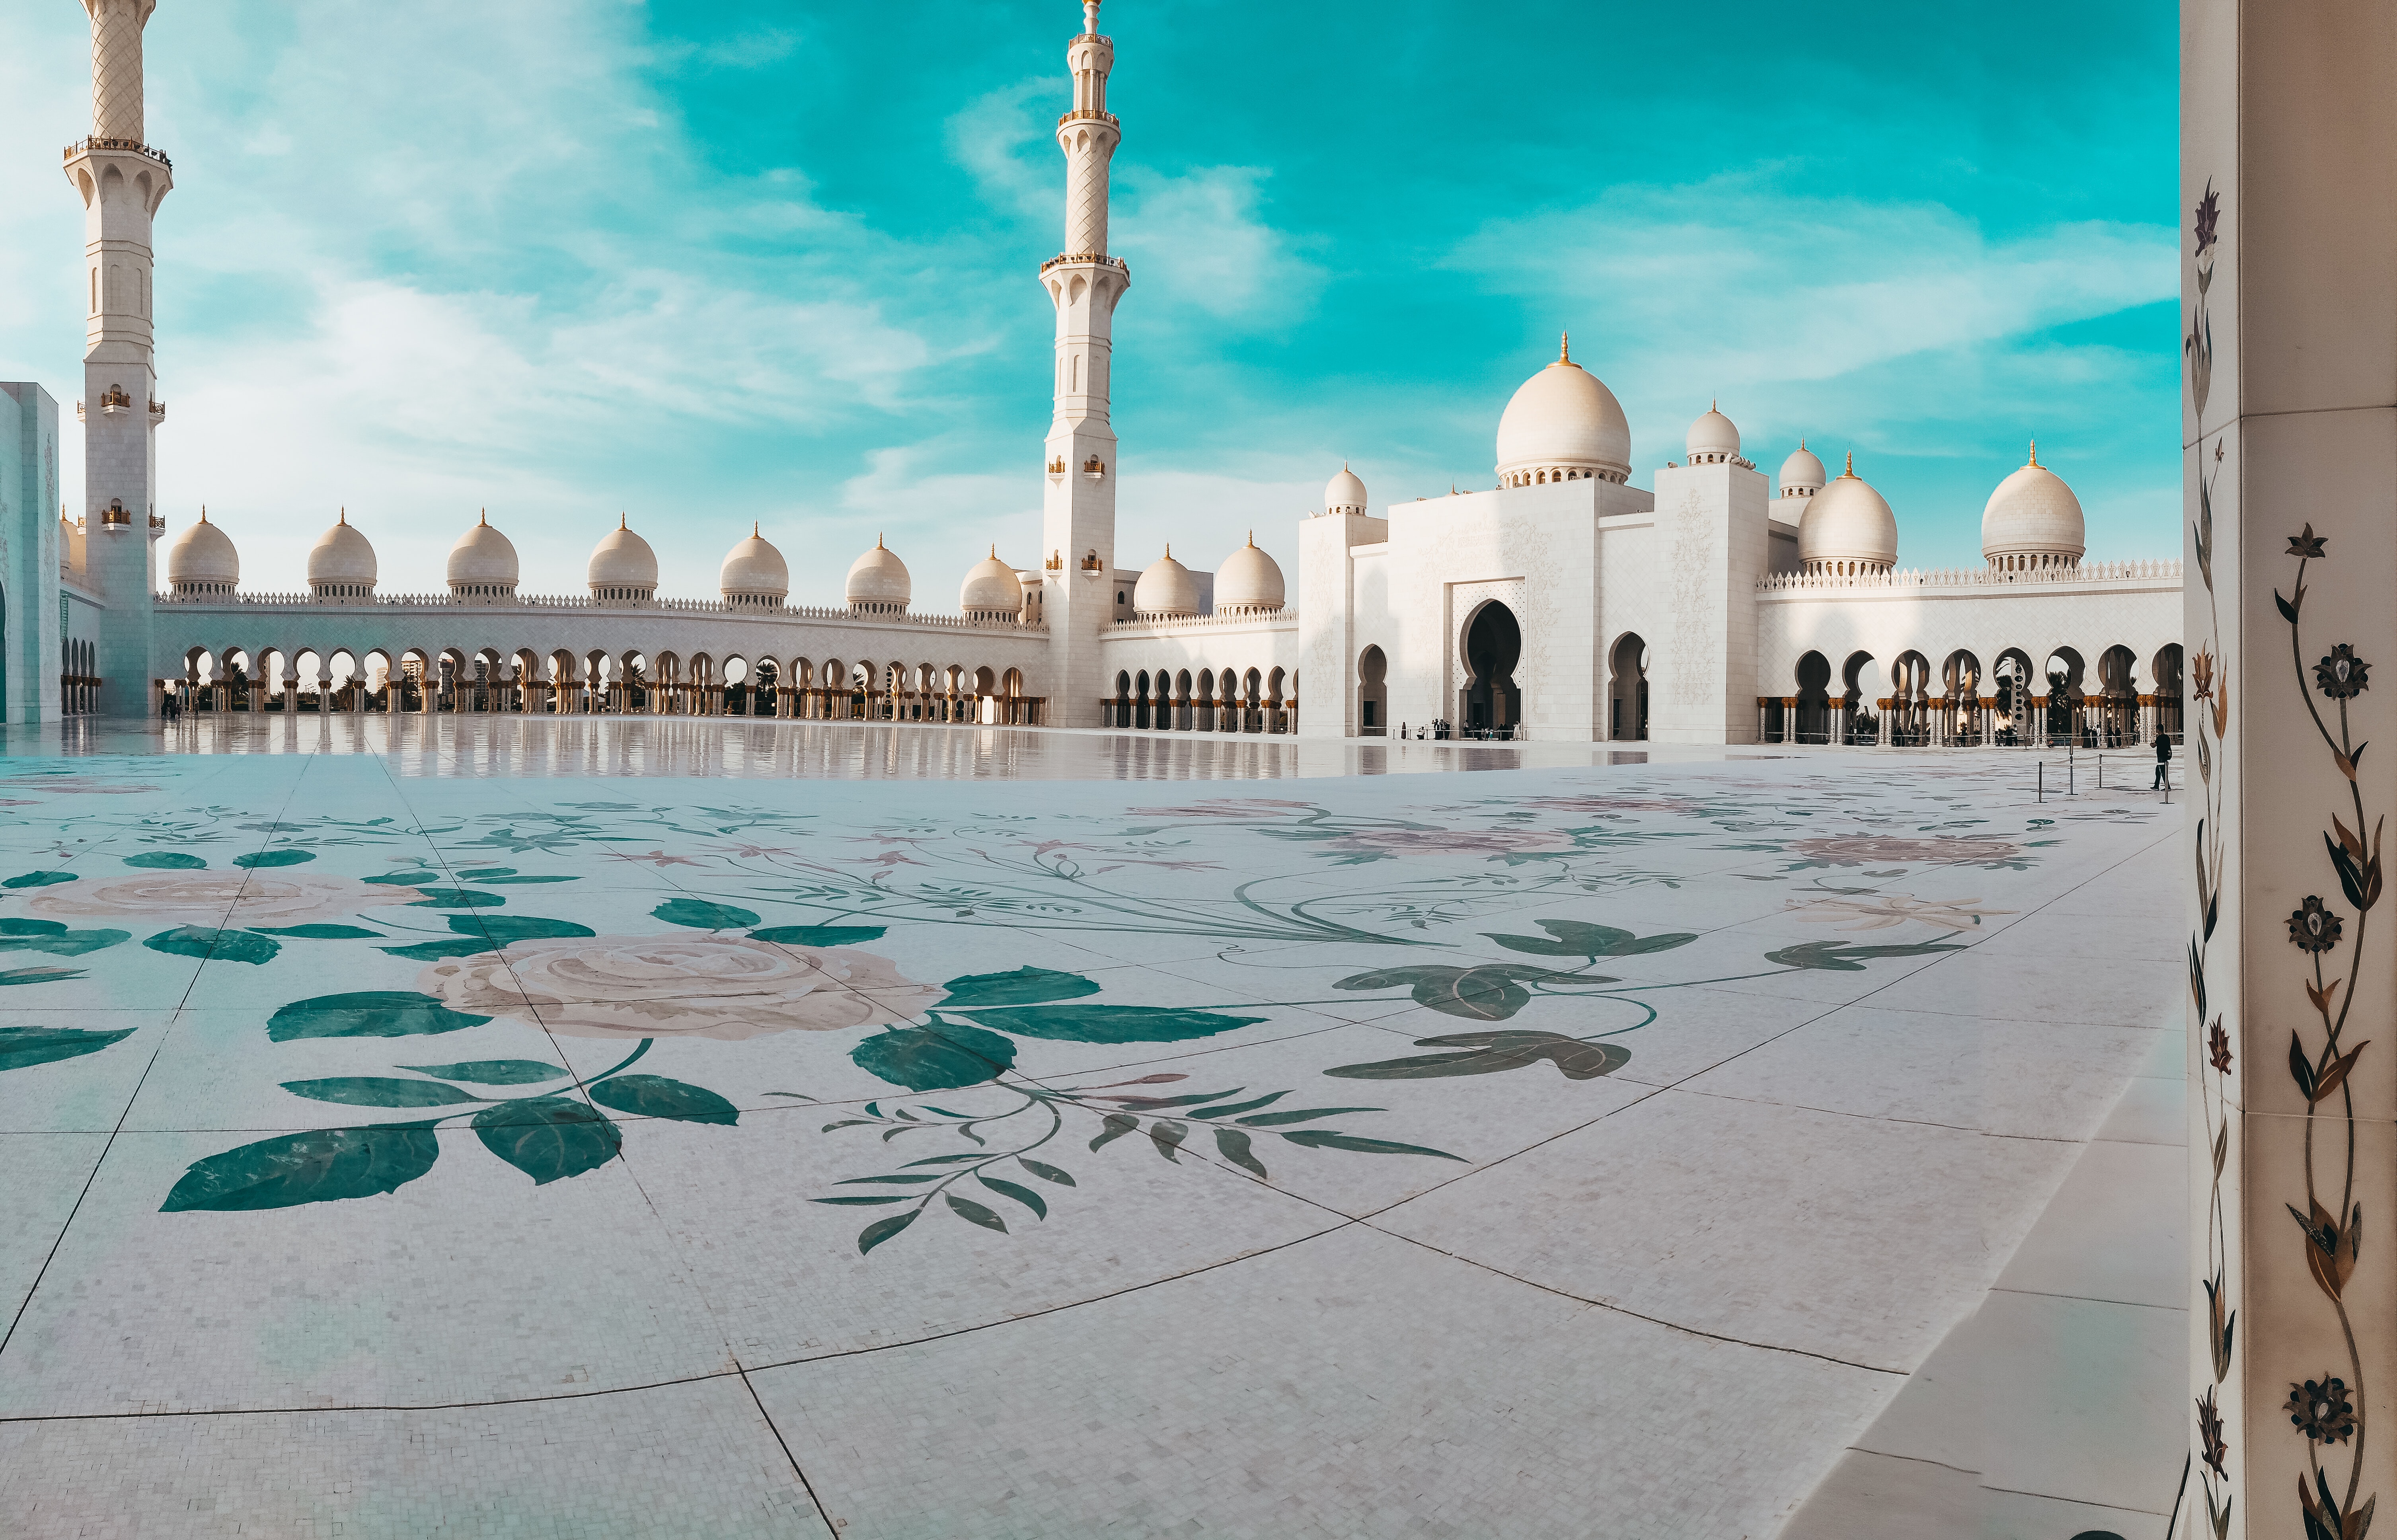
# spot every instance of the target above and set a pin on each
(790, 1129)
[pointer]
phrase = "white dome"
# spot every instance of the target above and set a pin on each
(992, 588)
(1801, 473)
(1847, 522)
(755, 572)
(202, 555)
(1249, 579)
(879, 578)
(2033, 514)
(1166, 588)
(1343, 494)
(1712, 437)
(483, 558)
(1563, 418)
(623, 560)
(342, 557)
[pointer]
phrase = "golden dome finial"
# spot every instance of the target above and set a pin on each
(345, 513)
(482, 517)
(1564, 346)
(1801, 440)
(1253, 540)
(204, 513)
(619, 519)
(1851, 464)
(2034, 451)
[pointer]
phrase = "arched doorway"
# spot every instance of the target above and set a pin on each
(1813, 699)
(2118, 684)
(2066, 672)
(1627, 711)
(1373, 694)
(1493, 641)
(2167, 668)
(1858, 723)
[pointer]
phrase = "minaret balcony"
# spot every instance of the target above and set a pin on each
(1088, 258)
(131, 146)
(1077, 114)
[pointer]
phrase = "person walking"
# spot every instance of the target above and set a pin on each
(2163, 761)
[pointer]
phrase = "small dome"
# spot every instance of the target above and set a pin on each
(1847, 528)
(623, 563)
(1712, 438)
(1563, 418)
(203, 559)
(1250, 579)
(483, 558)
(2033, 520)
(755, 572)
(342, 557)
(1166, 588)
(1801, 474)
(1343, 494)
(992, 588)
(879, 579)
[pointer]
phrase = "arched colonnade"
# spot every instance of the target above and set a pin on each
(562, 682)
(78, 677)
(2019, 696)
(1212, 700)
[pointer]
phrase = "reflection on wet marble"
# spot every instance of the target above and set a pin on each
(654, 1128)
(477, 745)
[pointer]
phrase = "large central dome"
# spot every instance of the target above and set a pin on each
(1563, 424)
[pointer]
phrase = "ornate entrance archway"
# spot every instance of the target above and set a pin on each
(1494, 642)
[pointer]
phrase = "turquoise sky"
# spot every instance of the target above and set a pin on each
(713, 264)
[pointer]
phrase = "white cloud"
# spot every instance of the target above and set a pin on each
(1723, 281)
(1200, 238)
(1003, 140)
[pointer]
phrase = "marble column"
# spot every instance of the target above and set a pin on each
(2288, 253)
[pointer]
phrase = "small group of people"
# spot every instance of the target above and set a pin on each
(1436, 727)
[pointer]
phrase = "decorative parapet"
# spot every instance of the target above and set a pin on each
(550, 603)
(1975, 577)
(1268, 620)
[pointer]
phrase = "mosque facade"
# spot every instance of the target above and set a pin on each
(1561, 603)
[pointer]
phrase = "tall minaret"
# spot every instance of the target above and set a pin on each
(122, 181)
(1078, 513)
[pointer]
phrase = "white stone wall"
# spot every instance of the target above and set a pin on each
(1984, 620)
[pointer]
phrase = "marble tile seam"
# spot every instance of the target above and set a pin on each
(2078, 1502)
(797, 1469)
(2091, 1299)
(1912, 1460)
(17, 1317)
(1687, 1090)
(737, 1368)
(1613, 1308)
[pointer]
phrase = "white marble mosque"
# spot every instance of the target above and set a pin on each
(1715, 606)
